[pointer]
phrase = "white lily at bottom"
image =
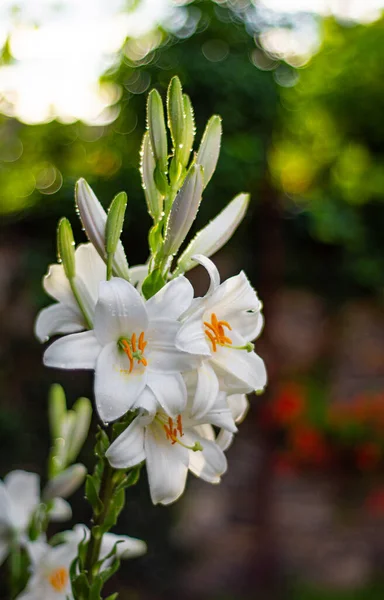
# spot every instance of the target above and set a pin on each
(19, 499)
(131, 347)
(50, 566)
(171, 446)
(227, 319)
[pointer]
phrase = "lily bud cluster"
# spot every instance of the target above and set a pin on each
(171, 370)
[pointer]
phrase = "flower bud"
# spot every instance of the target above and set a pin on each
(209, 150)
(64, 484)
(175, 106)
(184, 210)
(113, 228)
(152, 195)
(157, 131)
(189, 132)
(66, 247)
(57, 408)
(94, 219)
(83, 415)
(213, 237)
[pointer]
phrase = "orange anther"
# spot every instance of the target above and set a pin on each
(59, 579)
(179, 425)
(133, 342)
(215, 332)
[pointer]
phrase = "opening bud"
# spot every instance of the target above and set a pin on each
(176, 117)
(209, 149)
(157, 130)
(64, 484)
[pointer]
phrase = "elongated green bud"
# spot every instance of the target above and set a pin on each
(66, 247)
(209, 150)
(157, 130)
(175, 110)
(189, 131)
(57, 408)
(184, 210)
(152, 195)
(83, 415)
(113, 228)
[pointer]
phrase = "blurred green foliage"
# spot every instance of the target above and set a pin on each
(328, 153)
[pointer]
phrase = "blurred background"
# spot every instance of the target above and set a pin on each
(300, 87)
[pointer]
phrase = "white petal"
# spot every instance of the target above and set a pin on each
(6, 515)
(94, 219)
(120, 311)
(162, 353)
(128, 449)
(166, 466)
(147, 402)
(137, 275)
(208, 464)
(207, 389)
(213, 237)
(37, 550)
(170, 392)
(236, 301)
(58, 318)
(220, 414)
(76, 351)
(224, 439)
(191, 337)
(212, 270)
(247, 368)
(171, 301)
(239, 405)
(127, 547)
(90, 268)
(24, 492)
(116, 389)
(61, 510)
(57, 286)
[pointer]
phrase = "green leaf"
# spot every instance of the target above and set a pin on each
(161, 180)
(113, 596)
(155, 238)
(92, 495)
(152, 284)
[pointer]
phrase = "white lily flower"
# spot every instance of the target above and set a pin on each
(65, 316)
(94, 219)
(239, 406)
(132, 346)
(229, 317)
(50, 579)
(19, 499)
(171, 446)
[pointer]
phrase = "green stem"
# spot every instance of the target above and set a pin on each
(109, 265)
(14, 570)
(94, 545)
(80, 303)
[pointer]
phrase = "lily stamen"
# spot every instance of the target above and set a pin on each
(59, 579)
(173, 433)
(133, 350)
(216, 333)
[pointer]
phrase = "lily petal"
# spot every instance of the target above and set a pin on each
(120, 311)
(170, 392)
(172, 300)
(57, 286)
(61, 510)
(239, 406)
(162, 353)
(224, 439)
(58, 318)
(24, 492)
(207, 389)
(137, 275)
(220, 414)
(246, 369)
(128, 449)
(213, 237)
(90, 268)
(208, 464)
(166, 466)
(191, 337)
(127, 547)
(116, 389)
(76, 351)
(212, 270)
